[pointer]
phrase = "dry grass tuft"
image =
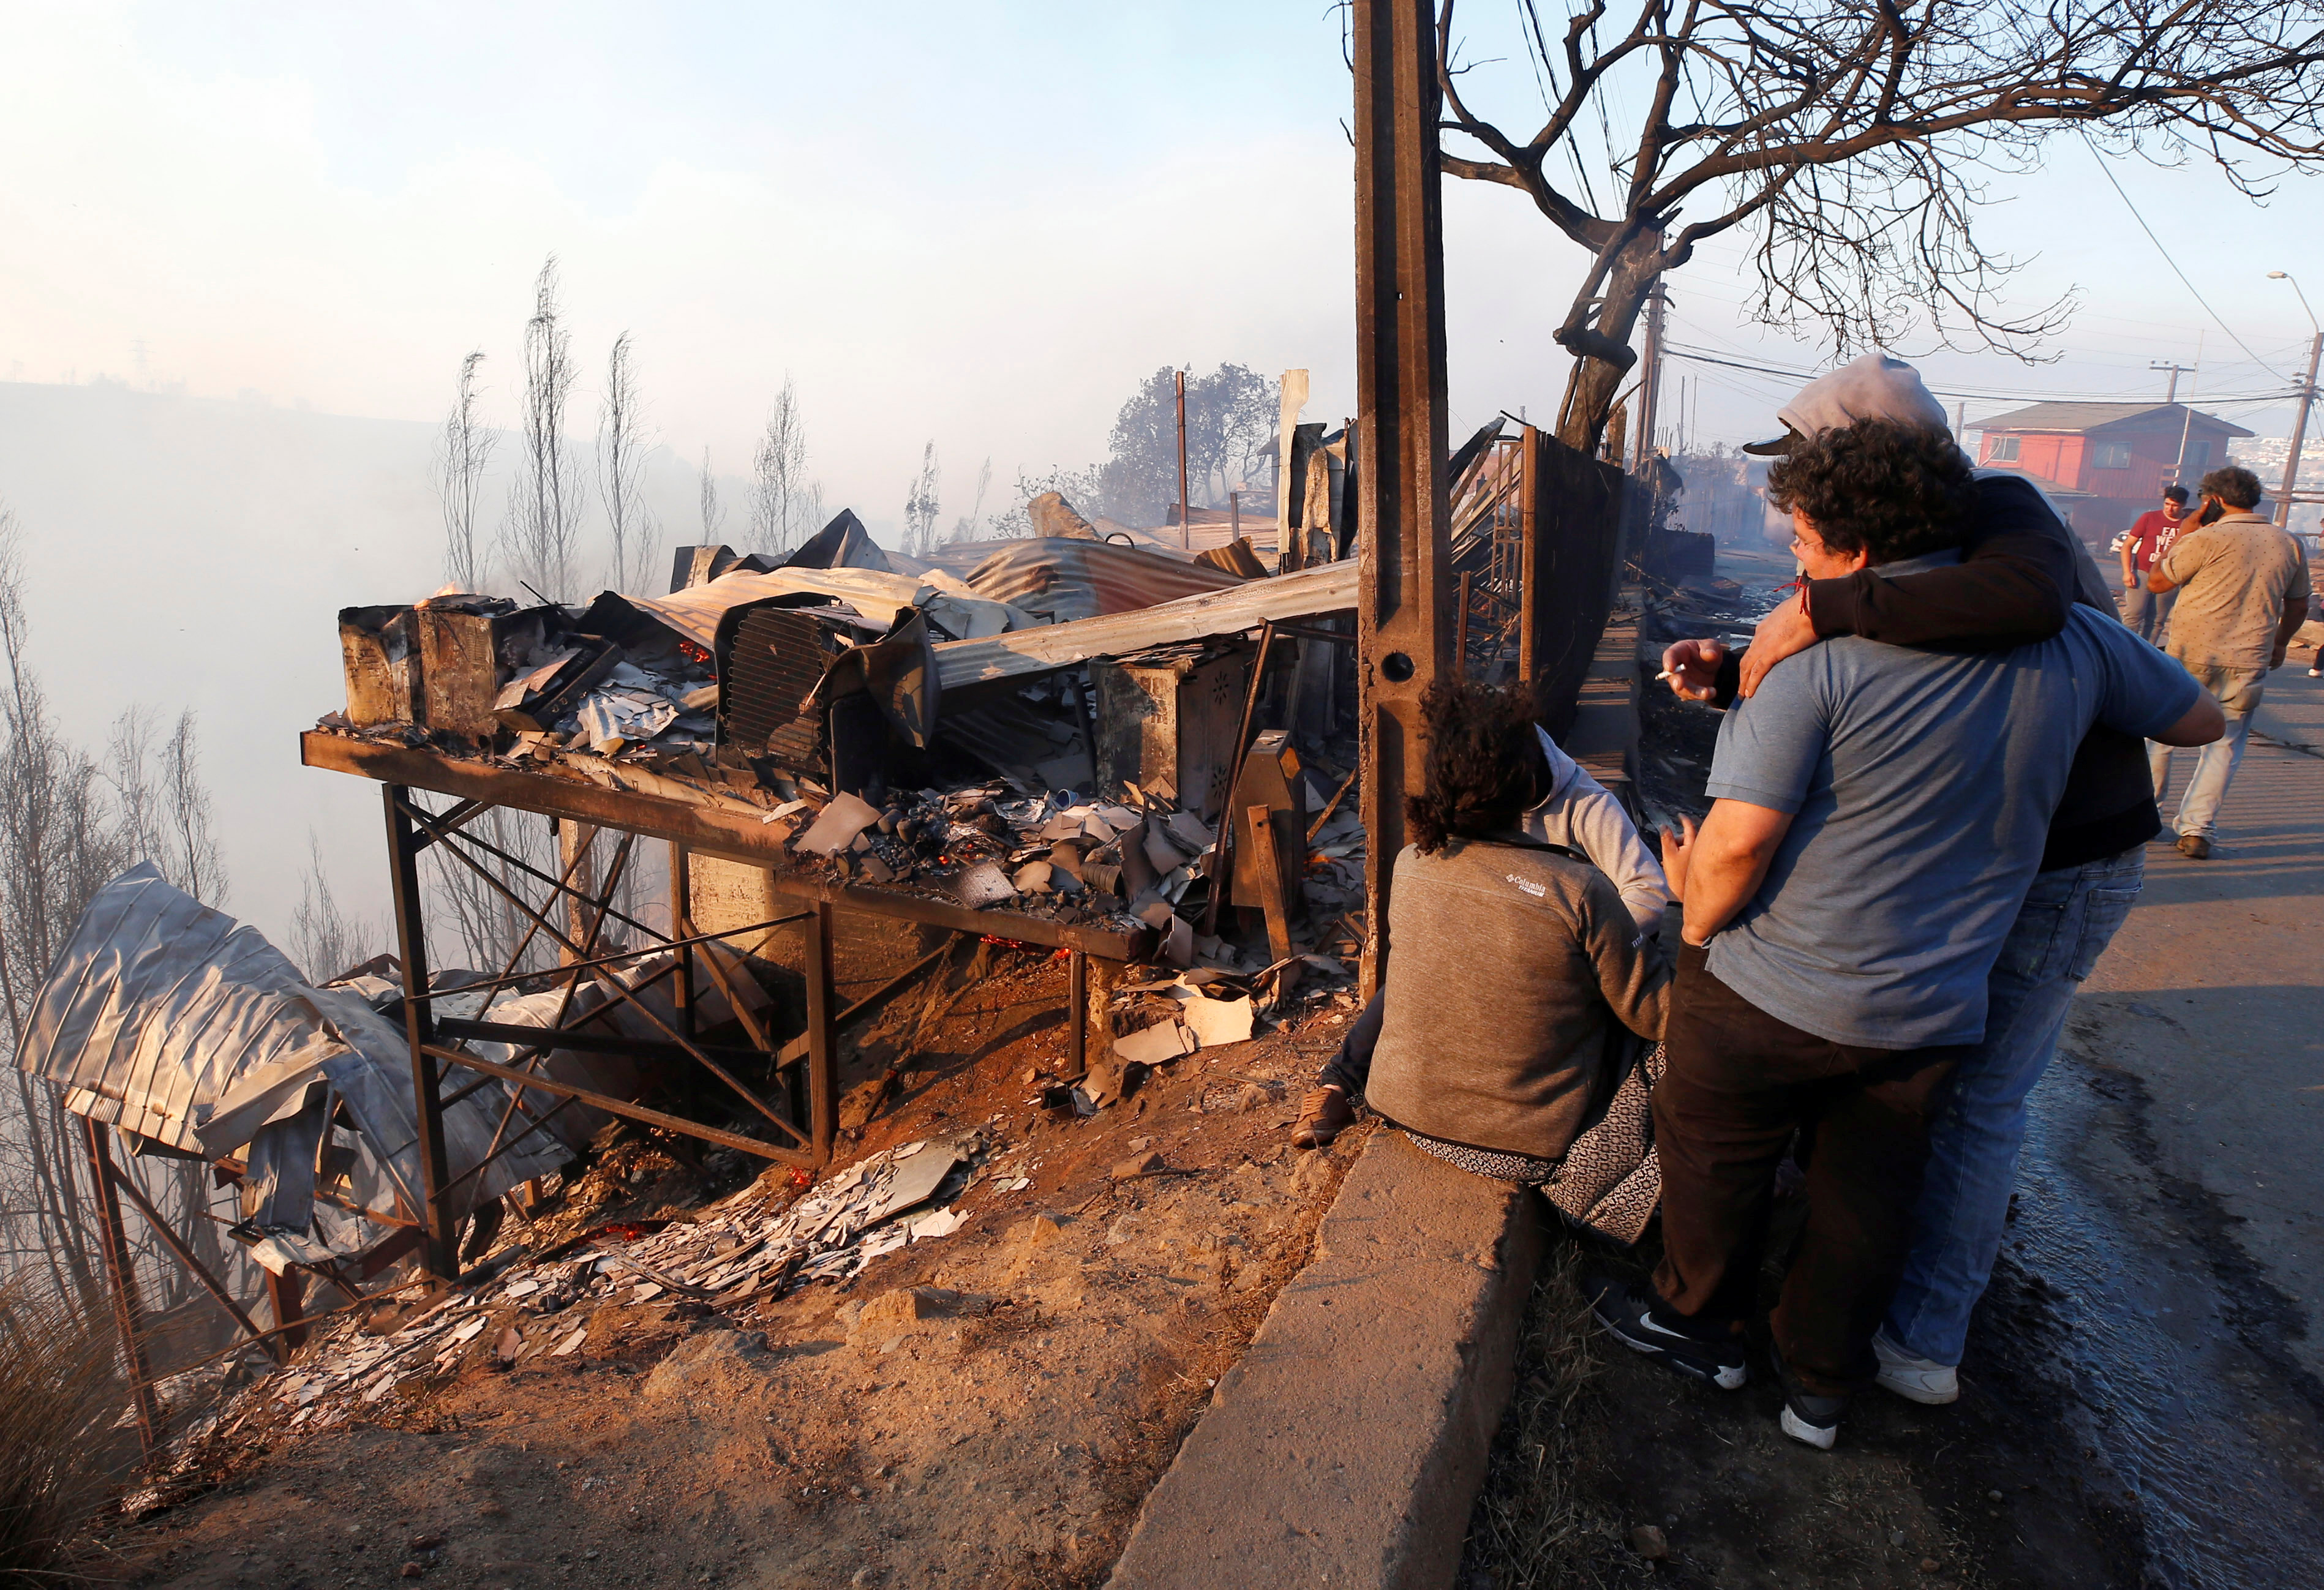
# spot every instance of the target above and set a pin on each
(58, 1397)
(1533, 1529)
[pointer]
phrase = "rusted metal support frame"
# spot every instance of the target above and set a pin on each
(427, 820)
(452, 818)
(627, 995)
(617, 958)
(532, 1057)
(620, 1107)
(1218, 870)
(121, 1277)
(822, 1034)
(1403, 584)
(1077, 1001)
(200, 1271)
(286, 1295)
(792, 1052)
(441, 1251)
(462, 1030)
(501, 1149)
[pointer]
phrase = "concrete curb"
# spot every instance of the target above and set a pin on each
(1347, 1446)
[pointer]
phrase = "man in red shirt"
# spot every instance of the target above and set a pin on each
(2142, 546)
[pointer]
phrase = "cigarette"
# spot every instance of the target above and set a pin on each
(1666, 673)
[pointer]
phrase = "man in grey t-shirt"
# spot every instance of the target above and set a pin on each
(1878, 814)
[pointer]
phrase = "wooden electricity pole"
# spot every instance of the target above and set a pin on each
(1404, 590)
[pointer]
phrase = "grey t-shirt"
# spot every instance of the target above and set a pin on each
(1922, 785)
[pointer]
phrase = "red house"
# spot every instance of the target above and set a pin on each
(2104, 464)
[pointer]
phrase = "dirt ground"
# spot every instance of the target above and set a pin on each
(1001, 1429)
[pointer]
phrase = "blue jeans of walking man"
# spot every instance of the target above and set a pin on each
(2069, 918)
(2238, 690)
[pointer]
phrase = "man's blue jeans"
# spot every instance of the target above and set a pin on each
(2238, 692)
(2148, 612)
(2069, 917)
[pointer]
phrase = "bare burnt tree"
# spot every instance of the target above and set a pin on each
(56, 847)
(326, 938)
(1849, 141)
(621, 447)
(462, 453)
(542, 532)
(965, 528)
(921, 505)
(714, 513)
(779, 485)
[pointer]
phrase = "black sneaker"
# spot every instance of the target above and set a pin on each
(1806, 1417)
(1638, 1321)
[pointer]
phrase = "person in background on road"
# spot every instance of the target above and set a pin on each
(1878, 814)
(2146, 612)
(1527, 940)
(2023, 567)
(1577, 812)
(2243, 595)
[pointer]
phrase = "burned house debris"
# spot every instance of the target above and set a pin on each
(1130, 754)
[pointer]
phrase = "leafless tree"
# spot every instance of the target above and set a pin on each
(1850, 141)
(161, 806)
(542, 531)
(462, 453)
(621, 446)
(326, 939)
(714, 513)
(965, 528)
(921, 505)
(779, 484)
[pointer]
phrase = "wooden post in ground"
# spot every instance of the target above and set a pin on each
(121, 1281)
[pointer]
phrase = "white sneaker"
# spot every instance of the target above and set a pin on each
(1916, 1380)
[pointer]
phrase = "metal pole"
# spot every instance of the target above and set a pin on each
(1404, 580)
(1234, 516)
(1533, 561)
(121, 1276)
(2298, 433)
(822, 1045)
(1077, 1003)
(441, 1251)
(1185, 534)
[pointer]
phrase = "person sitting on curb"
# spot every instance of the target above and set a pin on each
(1576, 811)
(1877, 815)
(1530, 943)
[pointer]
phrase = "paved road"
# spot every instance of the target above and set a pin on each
(2213, 997)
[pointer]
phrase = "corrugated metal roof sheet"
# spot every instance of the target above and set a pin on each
(179, 1024)
(1330, 588)
(1067, 579)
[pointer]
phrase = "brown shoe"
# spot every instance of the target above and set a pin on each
(1324, 1114)
(2195, 847)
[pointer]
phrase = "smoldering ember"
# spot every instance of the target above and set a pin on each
(1399, 1001)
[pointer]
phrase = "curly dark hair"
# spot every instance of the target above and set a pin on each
(1485, 766)
(2234, 485)
(1881, 487)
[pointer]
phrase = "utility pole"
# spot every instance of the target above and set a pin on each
(1186, 535)
(1404, 579)
(1650, 388)
(2298, 433)
(2176, 370)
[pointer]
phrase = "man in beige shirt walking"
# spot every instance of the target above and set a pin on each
(2243, 593)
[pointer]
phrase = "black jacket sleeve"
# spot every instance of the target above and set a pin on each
(2014, 587)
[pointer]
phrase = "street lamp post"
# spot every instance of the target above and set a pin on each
(2307, 396)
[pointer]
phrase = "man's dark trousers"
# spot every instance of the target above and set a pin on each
(1739, 1081)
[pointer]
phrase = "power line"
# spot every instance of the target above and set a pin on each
(1679, 351)
(2143, 226)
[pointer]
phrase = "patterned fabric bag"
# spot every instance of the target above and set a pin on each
(1610, 1181)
